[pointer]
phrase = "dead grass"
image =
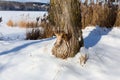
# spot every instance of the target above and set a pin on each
(37, 33)
(32, 24)
(117, 23)
(10, 23)
(34, 34)
(0, 19)
(22, 24)
(48, 29)
(96, 14)
(26, 24)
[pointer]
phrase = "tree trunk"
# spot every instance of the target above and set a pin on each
(65, 16)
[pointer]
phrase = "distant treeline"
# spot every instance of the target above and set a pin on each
(20, 6)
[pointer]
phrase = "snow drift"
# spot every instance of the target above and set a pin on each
(32, 59)
(22, 59)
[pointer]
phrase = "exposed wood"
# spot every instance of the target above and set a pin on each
(65, 16)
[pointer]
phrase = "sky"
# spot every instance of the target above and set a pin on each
(44, 1)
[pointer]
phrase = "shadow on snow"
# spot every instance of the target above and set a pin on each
(95, 35)
(24, 46)
(91, 40)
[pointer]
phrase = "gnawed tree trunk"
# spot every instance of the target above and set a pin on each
(65, 16)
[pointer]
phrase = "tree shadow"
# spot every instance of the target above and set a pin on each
(23, 46)
(95, 35)
(4, 67)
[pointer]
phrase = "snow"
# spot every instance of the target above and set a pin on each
(17, 16)
(9, 33)
(22, 59)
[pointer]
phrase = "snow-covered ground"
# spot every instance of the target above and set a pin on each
(32, 59)
(17, 16)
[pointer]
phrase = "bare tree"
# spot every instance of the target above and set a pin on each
(65, 16)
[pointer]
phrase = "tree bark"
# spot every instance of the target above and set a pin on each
(65, 16)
